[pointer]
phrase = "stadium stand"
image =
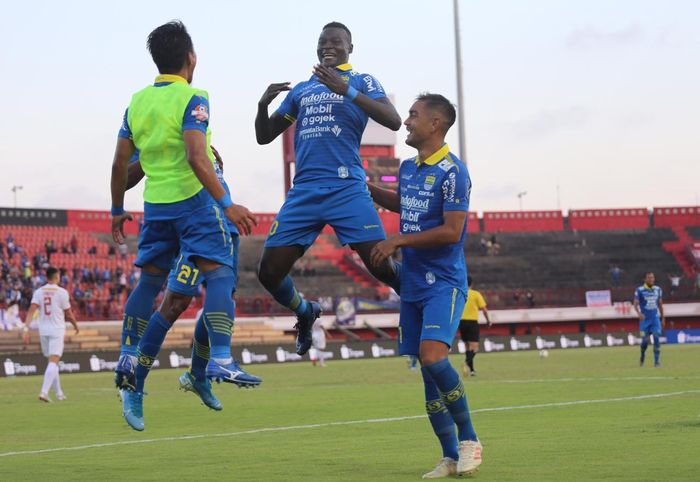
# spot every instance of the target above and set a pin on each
(556, 258)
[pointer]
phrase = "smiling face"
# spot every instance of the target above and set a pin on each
(421, 124)
(334, 47)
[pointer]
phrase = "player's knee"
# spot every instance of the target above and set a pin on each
(432, 352)
(174, 304)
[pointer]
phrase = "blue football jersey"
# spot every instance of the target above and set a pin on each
(649, 297)
(328, 129)
(428, 189)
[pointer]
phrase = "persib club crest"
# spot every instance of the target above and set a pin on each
(428, 183)
(343, 172)
(430, 277)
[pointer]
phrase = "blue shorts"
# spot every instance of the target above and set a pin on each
(185, 277)
(650, 327)
(195, 227)
(435, 318)
(348, 209)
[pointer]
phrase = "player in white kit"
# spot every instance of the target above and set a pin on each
(53, 304)
(318, 337)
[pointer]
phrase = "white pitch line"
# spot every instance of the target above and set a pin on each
(335, 424)
(590, 379)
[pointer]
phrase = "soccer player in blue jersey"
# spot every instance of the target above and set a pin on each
(183, 282)
(649, 306)
(433, 200)
(184, 208)
(331, 110)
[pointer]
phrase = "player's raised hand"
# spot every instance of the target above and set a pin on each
(242, 218)
(330, 78)
(272, 91)
(118, 227)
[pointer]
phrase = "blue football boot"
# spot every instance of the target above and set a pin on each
(132, 408)
(304, 324)
(231, 373)
(125, 372)
(202, 388)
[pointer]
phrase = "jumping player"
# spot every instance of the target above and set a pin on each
(433, 200)
(331, 110)
(184, 209)
(650, 308)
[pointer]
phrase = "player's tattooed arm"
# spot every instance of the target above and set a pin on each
(386, 198)
(381, 110)
(448, 232)
(268, 127)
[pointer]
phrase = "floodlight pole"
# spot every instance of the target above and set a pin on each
(16, 188)
(461, 128)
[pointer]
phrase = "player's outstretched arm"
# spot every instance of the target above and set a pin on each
(447, 233)
(120, 174)
(381, 110)
(386, 198)
(267, 127)
(196, 148)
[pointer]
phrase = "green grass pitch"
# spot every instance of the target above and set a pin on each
(625, 423)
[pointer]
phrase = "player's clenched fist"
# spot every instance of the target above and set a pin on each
(272, 91)
(242, 218)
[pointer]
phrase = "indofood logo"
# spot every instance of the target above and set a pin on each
(321, 97)
(411, 202)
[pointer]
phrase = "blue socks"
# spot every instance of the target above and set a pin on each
(440, 418)
(218, 312)
(200, 350)
(643, 347)
(657, 349)
(149, 346)
(138, 309)
(452, 393)
(287, 295)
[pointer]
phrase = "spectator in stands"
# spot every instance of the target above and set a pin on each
(530, 299)
(112, 250)
(484, 245)
(615, 275)
(76, 273)
(92, 250)
(516, 297)
(123, 250)
(74, 244)
(50, 249)
(64, 249)
(697, 280)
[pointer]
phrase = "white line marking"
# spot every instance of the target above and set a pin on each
(590, 379)
(336, 424)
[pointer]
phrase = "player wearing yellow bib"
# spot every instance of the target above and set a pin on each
(469, 325)
(185, 211)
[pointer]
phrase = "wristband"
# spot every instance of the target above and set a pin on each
(351, 93)
(117, 210)
(225, 201)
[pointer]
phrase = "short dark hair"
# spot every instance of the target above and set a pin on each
(51, 272)
(440, 103)
(338, 25)
(169, 46)
(469, 280)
